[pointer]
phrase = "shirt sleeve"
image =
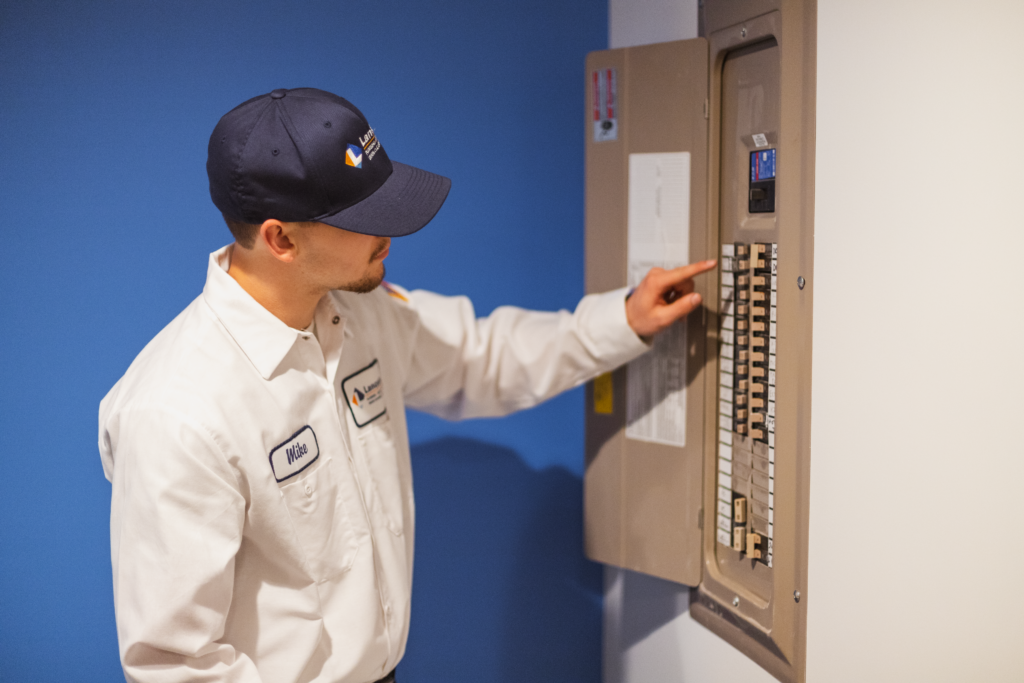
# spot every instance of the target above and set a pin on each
(177, 517)
(464, 367)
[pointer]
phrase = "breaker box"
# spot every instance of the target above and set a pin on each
(697, 454)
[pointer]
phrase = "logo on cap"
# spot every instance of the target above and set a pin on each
(354, 156)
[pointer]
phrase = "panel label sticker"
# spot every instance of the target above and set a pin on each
(606, 124)
(603, 401)
(658, 231)
(762, 165)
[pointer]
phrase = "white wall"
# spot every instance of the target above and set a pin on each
(642, 22)
(916, 568)
(918, 376)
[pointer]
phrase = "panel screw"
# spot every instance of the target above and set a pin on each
(800, 282)
(796, 596)
(736, 601)
(743, 33)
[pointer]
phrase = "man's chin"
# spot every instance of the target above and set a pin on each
(366, 284)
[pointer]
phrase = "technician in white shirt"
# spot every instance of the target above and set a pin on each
(262, 510)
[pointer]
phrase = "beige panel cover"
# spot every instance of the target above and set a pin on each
(642, 501)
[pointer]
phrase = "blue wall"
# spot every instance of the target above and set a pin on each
(105, 110)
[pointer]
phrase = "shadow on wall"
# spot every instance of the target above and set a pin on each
(636, 607)
(501, 591)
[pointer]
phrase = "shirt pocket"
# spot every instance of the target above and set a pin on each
(382, 461)
(322, 524)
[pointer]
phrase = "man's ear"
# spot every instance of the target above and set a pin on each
(277, 237)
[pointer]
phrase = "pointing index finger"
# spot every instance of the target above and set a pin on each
(678, 275)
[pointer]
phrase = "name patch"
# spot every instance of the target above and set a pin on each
(364, 393)
(294, 455)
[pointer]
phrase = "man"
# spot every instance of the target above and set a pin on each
(262, 510)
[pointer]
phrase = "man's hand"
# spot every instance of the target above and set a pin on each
(664, 297)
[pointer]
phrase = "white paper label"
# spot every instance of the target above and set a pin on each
(659, 213)
(658, 235)
(656, 390)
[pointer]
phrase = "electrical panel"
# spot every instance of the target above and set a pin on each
(697, 454)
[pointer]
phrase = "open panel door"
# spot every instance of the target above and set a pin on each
(647, 206)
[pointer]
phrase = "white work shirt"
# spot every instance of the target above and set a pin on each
(261, 522)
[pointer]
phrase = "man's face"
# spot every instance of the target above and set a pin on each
(338, 259)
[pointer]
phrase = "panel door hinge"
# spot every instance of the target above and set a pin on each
(705, 108)
(700, 518)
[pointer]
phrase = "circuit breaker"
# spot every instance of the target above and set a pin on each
(698, 452)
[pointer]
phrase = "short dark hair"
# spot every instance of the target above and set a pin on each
(244, 233)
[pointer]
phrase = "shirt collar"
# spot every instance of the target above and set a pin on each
(263, 337)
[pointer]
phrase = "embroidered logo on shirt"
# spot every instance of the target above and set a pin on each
(294, 455)
(364, 391)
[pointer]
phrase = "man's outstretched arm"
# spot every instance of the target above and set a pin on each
(463, 366)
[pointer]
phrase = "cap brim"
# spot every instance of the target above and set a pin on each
(407, 201)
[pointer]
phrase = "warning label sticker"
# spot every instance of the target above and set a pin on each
(606, 126)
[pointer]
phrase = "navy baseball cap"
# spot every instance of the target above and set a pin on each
(307, 155)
